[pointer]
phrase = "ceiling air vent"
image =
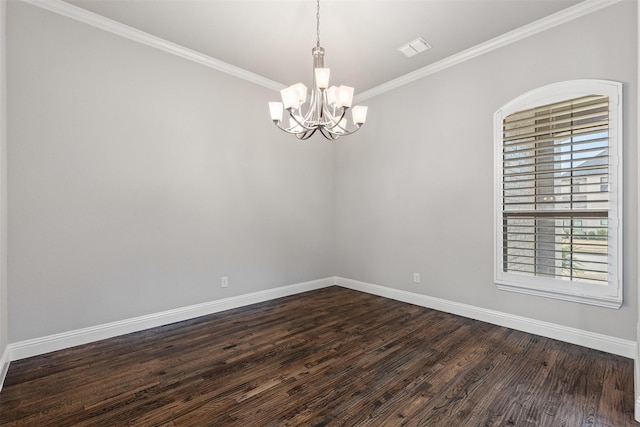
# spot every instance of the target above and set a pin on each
(414, 47)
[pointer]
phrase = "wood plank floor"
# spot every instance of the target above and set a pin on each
(332, 357)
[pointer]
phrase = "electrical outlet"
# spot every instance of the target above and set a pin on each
(224, 282)
(416, 277)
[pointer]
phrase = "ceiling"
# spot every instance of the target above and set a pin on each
(274, 38)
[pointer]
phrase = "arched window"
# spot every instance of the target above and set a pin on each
(558, 193)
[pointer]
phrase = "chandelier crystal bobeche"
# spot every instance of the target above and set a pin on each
(328, 106)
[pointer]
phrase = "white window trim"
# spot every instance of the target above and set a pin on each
(609, 295)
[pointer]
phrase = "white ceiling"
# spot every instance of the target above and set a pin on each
(274, 38)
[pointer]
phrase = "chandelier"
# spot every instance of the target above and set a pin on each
(327, 108)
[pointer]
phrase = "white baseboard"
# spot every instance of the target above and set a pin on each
(593, 340)
(37, 346)
(42, 345)
(636, 369)
(4, 366)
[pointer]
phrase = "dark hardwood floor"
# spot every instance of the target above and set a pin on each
(332, 357)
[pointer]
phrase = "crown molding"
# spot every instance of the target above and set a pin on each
(82, 15)
(566, 15)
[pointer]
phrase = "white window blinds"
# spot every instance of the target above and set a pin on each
(558, 193)
(554, 208)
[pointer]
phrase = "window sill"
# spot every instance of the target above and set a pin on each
(600, 301)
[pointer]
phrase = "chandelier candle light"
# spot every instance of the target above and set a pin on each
(327, 108)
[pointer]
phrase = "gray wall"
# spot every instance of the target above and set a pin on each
(137, 179)
(414, 190)
(134, 184)
(4, 316)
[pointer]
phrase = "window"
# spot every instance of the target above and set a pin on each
(559, 193)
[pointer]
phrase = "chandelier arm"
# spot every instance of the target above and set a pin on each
(288, 130)
(345, 133)
(300, 123)
(314, 114)
(303, 136)
(328, 134)
(283, 129)
(336, 122)
(334, 110)
(327, 116)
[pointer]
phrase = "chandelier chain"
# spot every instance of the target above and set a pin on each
(318, 23)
